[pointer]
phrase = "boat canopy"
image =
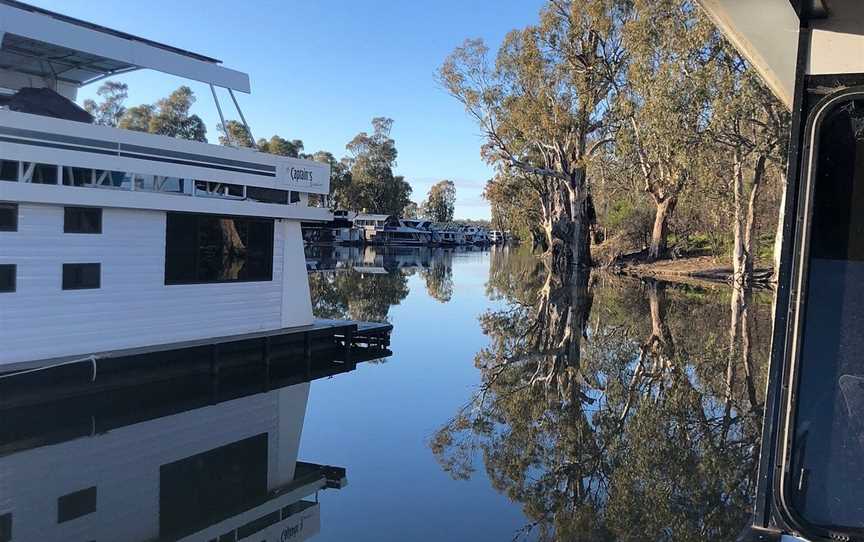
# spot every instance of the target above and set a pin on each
(767, 34)
(40, 48)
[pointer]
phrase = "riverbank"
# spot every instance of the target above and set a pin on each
(689, 269)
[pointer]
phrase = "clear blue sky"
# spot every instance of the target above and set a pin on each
(321, 70)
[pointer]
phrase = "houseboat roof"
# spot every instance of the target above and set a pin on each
(42, 44)
(365, 216)
(767, 34)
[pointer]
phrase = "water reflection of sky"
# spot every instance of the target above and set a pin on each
(378, 421)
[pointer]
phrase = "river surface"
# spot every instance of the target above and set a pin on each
(516, 405)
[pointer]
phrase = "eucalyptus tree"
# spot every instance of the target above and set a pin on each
(750, 125)
(544, 106)
(373, 186)
(111, 109)
(440, 202)
(664, 103)
(170, 116)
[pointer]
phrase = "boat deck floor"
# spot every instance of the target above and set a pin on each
(350, 332)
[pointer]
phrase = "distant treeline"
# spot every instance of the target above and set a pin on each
(363, 180)
(618, 126)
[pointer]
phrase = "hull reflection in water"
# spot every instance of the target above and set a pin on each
(197, 458)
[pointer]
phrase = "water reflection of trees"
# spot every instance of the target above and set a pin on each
(348, 293)
(613, 409)
(439, 275)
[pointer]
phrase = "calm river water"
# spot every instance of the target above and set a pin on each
(520, 406)
(517, 405)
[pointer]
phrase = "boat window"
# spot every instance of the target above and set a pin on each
(6, 527)
(82, 220)
(825, 485)
(205, 488)
(77, 504)
(267, 195)
(207, 248)
(40, 173)
(81, 276)
(8, 217)
(110, 178)
(7, 277)
(8, 170)
(77, 176)
(295, 197)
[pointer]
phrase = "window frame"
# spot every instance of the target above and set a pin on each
(81, 264)
(14, 268)
(70, 225)
(271, 250)
(785, 445)
(17, 210)
(88, 493)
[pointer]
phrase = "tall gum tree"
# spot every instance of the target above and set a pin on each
(750, 126)
(544, 107)
(664, 104)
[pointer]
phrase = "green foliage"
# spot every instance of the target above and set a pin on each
(440, 203)
(111, 109)
(169, 116)
(372, 186)
(234, 133)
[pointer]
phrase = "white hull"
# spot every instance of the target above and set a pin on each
(133, 307)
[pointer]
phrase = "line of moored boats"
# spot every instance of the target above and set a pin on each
(348, 228)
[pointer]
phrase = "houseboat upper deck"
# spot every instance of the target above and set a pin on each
(113, 239)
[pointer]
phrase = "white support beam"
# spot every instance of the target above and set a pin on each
(63, 33)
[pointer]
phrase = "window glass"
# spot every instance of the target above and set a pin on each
(82, 220)
(81, 276)
(77, 176)
(267, 195)
(8, 217)
(110, 178)
(826, 481)
(6, 527)
(44, 174)
(8, 170)
(204, 489)
(77, 504)
(7, 277)
(207, 248)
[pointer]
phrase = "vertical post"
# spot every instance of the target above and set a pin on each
(307, 353)
(221, 116)
(243, 119)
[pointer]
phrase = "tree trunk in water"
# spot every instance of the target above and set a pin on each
(582, 214)
(778, 233)
(738, 276)
(659, 234)
(744, 220)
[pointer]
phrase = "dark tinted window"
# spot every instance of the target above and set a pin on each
(81, 276)
(295, 197)
(44, 174)
(7, 277)
(267, 195)
(77, 176)
(826, 480)
(8, 217)
(75, 505)
(8, 170)
(5, 527)
(82, 220)
(205, 248)
(208, 487)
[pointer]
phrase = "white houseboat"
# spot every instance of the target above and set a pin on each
(113, 239)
